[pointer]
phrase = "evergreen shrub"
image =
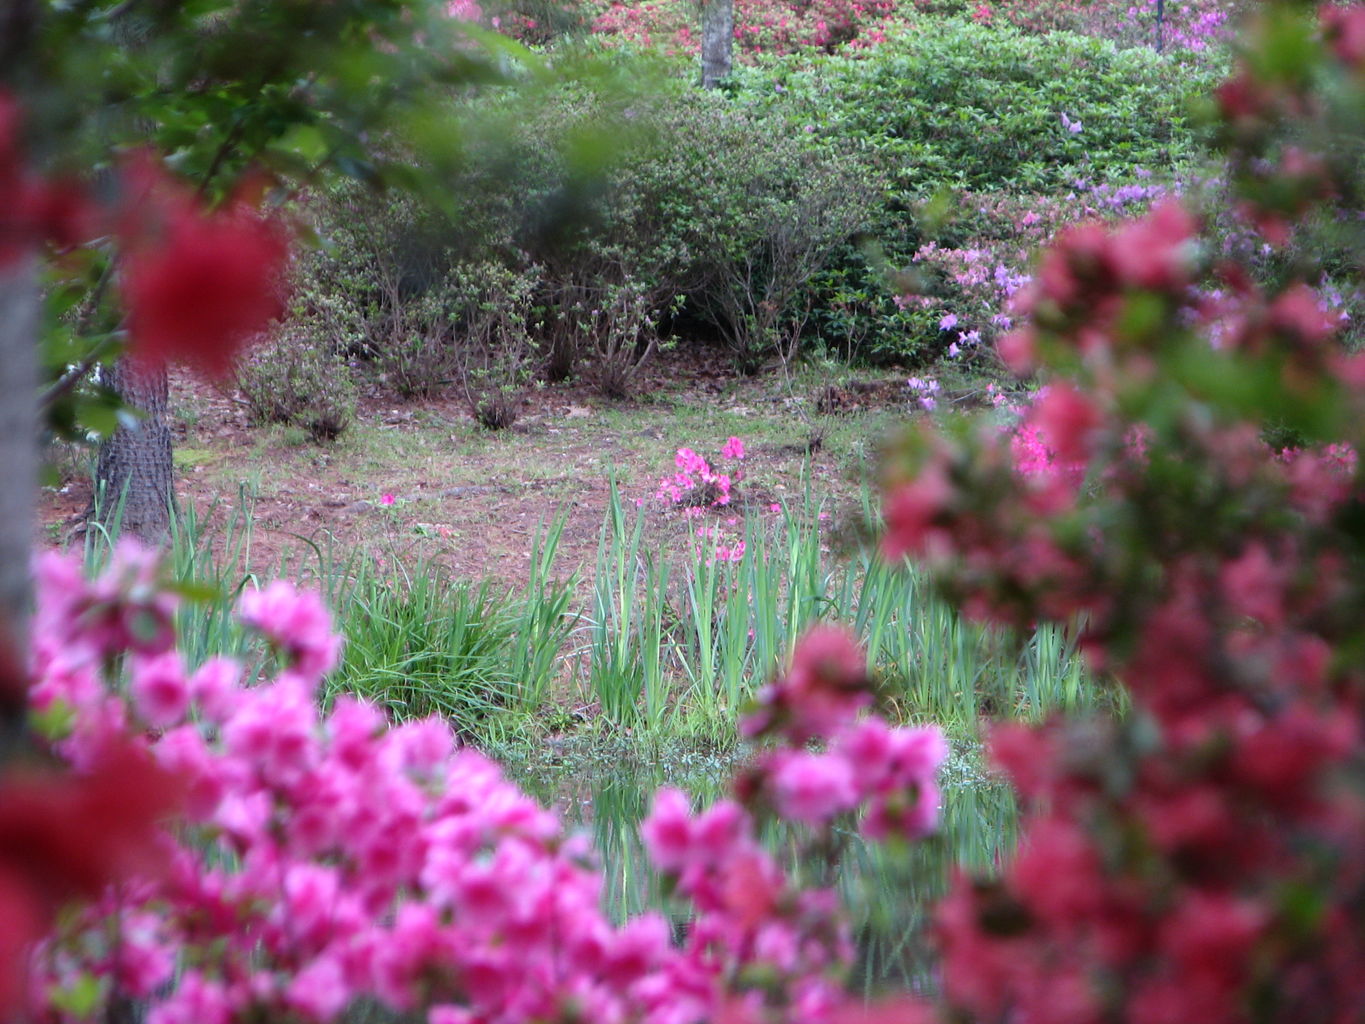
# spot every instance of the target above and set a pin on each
(697, 209)
(290, 380)
(956, 104)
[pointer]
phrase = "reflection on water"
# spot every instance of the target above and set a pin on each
(890, 891)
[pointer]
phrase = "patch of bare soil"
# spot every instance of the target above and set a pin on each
(419, 483)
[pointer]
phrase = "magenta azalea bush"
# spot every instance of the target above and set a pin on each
(766, 27)
(1185, 494)
(700, 484)
(761, 26)
(326, 859)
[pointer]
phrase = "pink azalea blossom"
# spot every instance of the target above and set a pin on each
(297, 622)
(813, 788)
(327, 859)
(194, 1000)
(667, 830)
(160, 691)
(215, 686)
(463, 10)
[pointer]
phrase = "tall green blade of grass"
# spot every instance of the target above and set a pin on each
(616, 670)
(808, 589)
(546, 621)
(205, 626)
(736, 636)
(763, 579)
(653, 641)
(697, 651)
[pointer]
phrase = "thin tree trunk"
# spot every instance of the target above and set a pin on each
(133, 475)
(19, 301)
(717, 41)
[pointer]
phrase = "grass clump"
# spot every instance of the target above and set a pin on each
(420, 647)
(678, 642)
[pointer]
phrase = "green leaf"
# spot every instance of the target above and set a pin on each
(308, 142)
(55, 721)
(194, 592)
(80, 997)
(97, 417)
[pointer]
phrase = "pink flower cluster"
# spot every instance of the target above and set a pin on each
(697, 484)
(743, 899)
(749, 916)
(725, 551)
(464, 10)
(761, 26)
(1090, 270)
(1212, 577)
(297, 624)
(925, 392)
(1195, 25)
(330, 858)
(986, 278)
(1052, 443)
(511, 22)
(326, 858)
(866, 764)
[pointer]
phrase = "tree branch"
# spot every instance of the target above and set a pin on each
(67, 381)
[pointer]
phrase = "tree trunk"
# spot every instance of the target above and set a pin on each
(19, 301)
(717, 41)
(133, 475)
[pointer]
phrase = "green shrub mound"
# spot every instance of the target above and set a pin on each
(955, 104)
(293, 381)
(951, 110)
(592, 213)
(602, 215)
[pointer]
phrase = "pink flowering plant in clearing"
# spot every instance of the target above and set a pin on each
(329, 859)
(699, 484)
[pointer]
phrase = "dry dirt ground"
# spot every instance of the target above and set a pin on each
(472, 500)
